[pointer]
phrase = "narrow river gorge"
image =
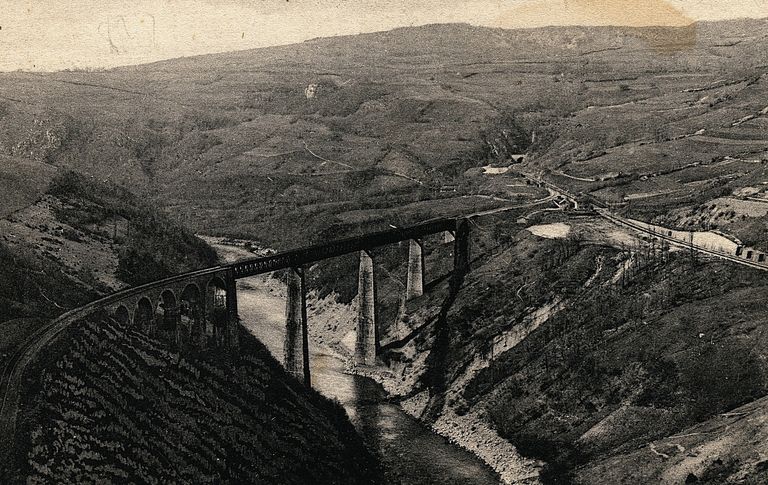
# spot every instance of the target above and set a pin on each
(410, 452)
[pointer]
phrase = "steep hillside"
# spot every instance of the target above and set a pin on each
(108, 404)
(149, 245)
(82, 238)
(581, 348)
(677, 347)
(23, 181)
(113, 405)
(711, 452)
(306, 133)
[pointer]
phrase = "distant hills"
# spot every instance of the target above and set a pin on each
(229, 142)
(317, 140)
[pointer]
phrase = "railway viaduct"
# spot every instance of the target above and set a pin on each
(199, 309)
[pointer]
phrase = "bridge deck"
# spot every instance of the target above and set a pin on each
(298, 257)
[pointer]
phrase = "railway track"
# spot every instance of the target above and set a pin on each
(622, 222)
(14, 369)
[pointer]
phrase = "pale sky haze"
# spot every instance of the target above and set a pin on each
(53, 35)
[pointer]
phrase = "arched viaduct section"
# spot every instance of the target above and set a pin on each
(198, 309)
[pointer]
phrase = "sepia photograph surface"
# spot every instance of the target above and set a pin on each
(310, 242)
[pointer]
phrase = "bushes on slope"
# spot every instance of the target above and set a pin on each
(626, 366)
(120, 407)
(153, 246)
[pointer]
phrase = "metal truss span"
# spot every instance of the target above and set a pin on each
(299, 257)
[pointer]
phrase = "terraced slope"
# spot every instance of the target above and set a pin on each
(113, 405)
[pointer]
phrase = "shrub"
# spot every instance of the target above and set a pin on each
(156, 246)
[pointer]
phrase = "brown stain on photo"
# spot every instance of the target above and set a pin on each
(661, 25)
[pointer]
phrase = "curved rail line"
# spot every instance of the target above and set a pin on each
(620, 221)
(13, 371)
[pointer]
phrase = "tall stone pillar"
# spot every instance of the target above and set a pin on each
(232, 332)
(197, 333)
(296, 344)
(415, 283)
(461, 246)
(365, 345)
(176, 328)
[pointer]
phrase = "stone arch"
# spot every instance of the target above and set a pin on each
(122, 315)
(216, 292)
(191, 302)
(142, 315)
(168, 297)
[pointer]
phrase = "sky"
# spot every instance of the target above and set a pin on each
(59, 34)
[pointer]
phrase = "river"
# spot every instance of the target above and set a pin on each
(410, 452)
